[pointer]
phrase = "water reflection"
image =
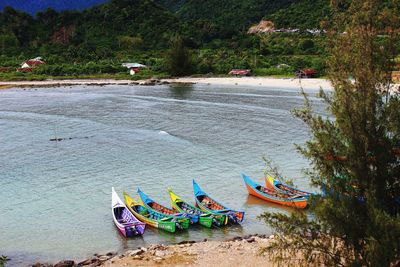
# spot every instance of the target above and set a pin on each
(181, 90)
(126, 242)
(252, 200)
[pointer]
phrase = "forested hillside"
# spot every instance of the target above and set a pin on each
(140, 30)
(226, 18)
(230, 17)
(115, 25)
(305, 14)
(148, 24)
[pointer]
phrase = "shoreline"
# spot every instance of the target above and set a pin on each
(222, 81)
(206, 253)
(258, 81)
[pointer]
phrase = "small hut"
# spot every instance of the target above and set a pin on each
(32, 63)
(307, 73)
(134, 67)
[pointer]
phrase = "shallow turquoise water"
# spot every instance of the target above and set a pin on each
(55, 196)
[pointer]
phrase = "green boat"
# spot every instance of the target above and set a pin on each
(206, 219)
(155, 219)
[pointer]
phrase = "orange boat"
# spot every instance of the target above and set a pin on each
(271, 195)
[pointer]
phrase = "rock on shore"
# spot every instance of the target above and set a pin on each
(239, 251)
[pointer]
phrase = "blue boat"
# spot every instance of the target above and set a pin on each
(206, 203)
(152, 205)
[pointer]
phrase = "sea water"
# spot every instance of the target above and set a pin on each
(55, 196)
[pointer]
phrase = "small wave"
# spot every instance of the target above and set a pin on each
(163, 133)
(166, 136)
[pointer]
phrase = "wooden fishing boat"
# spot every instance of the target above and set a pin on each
(151, 204)
(206, 203)
(205, 218)
(153, 218)
(126, 222)
(272, 183)
(274, 196)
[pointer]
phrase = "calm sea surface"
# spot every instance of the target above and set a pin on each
(55, 196)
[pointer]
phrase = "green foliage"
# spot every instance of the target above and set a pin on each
(3, 260)
(353, 154)
(129, 42)
(179, 59)
(20, 76)
(306, 45)
(149, 74)
(273, 71)
(227, 18)
(80, 69)
(292, 44)
(124, 24)
(306, 14)
(7, 41)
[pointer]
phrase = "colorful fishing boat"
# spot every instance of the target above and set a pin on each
(155, 219)
(151, 204)
(126, 222)
(206, 203)
(274, 196)
(205, 218)
(274, 184)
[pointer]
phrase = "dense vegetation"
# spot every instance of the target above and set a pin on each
(306, 14)
(98, 39)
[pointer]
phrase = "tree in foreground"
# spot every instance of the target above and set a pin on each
(179, 60)
(354, 153)
(3, 260)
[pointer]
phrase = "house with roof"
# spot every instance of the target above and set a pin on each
(32, 63)
(307, 73)
(134, 67)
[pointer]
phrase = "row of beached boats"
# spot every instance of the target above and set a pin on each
(131, 217)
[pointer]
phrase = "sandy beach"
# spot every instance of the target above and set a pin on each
(239, 251)
(259, 81)
(231, 81)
